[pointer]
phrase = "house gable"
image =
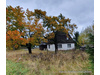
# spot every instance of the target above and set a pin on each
(62, 38)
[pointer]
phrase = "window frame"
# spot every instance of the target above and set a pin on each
(59, 45)
(69, 45)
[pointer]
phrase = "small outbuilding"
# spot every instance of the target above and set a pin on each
(43, 46)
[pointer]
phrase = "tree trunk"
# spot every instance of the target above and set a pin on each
(55, 41)
(29, 47)
(56, 48)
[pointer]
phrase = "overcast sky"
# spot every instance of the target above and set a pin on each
(81, 12)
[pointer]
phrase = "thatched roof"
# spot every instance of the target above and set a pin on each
(62, 38)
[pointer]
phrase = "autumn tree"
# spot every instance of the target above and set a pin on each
(84, 35)
(53, 24)
(29, 26)
(34, 30)
(15, 19)
(22, 28)
(14, 27)
(14, 40)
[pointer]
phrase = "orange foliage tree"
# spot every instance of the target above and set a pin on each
(14, 40)
(30, 28)
(15, 18)
(14, 27)
(34, 29)
(54, 24)
(22, 28)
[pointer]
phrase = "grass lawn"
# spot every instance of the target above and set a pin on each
(13, 68)
(19, 62)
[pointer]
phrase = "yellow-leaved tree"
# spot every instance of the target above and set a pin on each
(22, 28)
(84, 35)
(34, 30)
(54, 24)
(15, 27)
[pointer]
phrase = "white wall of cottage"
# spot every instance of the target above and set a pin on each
(64, 46)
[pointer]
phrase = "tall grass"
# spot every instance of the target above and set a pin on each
(43, 63)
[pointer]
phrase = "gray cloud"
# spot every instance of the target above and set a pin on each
(81, 12)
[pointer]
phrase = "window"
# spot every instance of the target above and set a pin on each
(59, 45)
(49, 46)
(69, 45)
